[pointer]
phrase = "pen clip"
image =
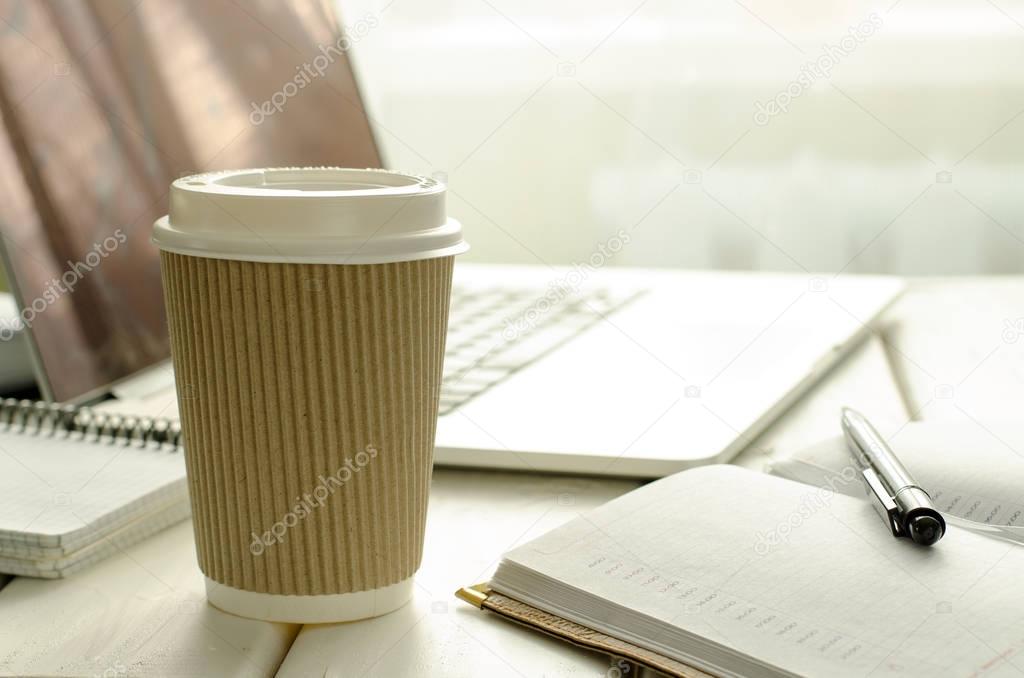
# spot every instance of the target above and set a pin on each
(886, 505)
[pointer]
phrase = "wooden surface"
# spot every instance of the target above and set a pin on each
(144, 611)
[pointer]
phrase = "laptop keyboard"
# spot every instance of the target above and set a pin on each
(493, 333)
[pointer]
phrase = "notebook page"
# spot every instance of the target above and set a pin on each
(808, 582)
(97, 549)
(54, 489)
(969, 472)
(976, 353)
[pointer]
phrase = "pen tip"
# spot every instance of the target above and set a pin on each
(926, 529)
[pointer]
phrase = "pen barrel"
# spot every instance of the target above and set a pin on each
(892, 472)
(905, 507)
(872, 452)
(912, 500)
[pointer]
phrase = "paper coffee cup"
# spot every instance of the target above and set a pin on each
(308, 310)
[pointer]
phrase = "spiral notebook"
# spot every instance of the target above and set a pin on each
(78, 485)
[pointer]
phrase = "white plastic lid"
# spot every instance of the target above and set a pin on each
(325, 215)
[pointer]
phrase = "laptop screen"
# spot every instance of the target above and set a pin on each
(103, 105)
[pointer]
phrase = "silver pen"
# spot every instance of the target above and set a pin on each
(903, 504)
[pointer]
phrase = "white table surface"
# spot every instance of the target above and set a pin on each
(143, 611)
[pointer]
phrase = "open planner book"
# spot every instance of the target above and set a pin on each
(738, 573)
(974, 474)
(77, 486)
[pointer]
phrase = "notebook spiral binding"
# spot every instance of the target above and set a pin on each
(40, 417)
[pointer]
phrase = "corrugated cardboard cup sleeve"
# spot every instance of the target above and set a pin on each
(308, 397)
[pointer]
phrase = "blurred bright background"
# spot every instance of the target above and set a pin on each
(558, 124)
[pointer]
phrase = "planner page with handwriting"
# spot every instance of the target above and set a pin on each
(741, 564)
(971, 473)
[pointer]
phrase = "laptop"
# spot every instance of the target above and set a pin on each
(587, 369)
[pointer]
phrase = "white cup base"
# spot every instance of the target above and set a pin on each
(324, 609)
